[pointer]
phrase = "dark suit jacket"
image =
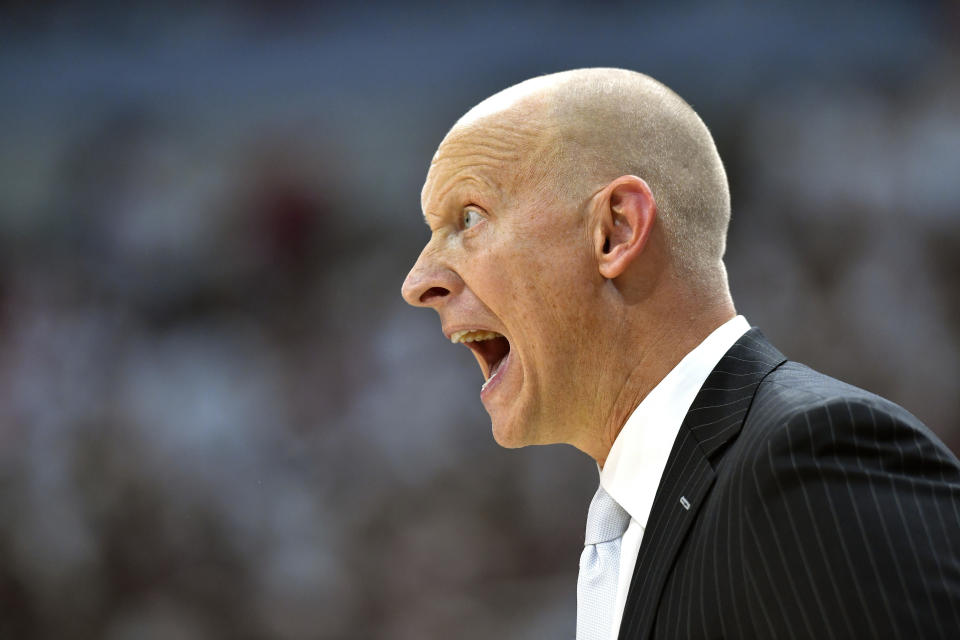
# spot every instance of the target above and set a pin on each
(796, 506)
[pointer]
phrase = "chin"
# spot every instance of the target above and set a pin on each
(509, 437)
(508, 441)
(518, 433)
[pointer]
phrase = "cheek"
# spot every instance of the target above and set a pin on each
(535, 277)
(547, 309)
(544, 251)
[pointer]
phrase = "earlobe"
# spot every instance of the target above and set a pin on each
(626, 219)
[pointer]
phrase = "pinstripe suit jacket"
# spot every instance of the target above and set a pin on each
(811, 509)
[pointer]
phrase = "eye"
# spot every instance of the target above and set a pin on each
(471, 217)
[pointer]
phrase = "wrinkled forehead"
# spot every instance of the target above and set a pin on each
(502, 152)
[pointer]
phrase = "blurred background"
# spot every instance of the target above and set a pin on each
(218, 419)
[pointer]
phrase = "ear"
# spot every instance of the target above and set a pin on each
(626, 212)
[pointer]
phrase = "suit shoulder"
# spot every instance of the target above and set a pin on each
(795, 390)
(797, 408)
(796, 387)
(843, 512)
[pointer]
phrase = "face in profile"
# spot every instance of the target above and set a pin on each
(506, 268)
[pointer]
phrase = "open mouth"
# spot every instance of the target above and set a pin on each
(489, 347)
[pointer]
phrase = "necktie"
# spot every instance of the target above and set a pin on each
(599, 566)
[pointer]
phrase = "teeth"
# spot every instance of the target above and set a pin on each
(471, 335)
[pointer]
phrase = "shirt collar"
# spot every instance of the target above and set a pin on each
(632, 471)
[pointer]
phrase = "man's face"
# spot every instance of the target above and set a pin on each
(510, 265)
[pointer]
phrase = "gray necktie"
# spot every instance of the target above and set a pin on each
(599, 566)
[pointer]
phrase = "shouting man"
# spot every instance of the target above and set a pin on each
(578, 226)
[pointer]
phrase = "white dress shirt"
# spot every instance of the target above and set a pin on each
(632, 471)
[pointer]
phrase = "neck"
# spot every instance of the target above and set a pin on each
(661, 340)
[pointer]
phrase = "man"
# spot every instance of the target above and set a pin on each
(578, 225)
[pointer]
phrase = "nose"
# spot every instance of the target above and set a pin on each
(429, 283)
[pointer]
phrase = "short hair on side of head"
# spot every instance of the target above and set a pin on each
(613, 122)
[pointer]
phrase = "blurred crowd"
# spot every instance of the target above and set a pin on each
(217, 417)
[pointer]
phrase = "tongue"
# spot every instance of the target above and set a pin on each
(495, 351)
(496, 367)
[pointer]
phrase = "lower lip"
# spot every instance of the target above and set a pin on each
(494, 382)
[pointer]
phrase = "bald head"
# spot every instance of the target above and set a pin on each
(577, 225)
(578, 130)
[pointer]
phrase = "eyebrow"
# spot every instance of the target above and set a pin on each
(478, 180)
(427, 215)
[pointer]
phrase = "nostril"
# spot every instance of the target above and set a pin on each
(433, 292)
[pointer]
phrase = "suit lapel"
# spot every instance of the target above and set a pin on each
(714, 419)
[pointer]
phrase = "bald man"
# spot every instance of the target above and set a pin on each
(578, 226)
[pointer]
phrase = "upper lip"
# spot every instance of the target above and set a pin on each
(449, 331)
